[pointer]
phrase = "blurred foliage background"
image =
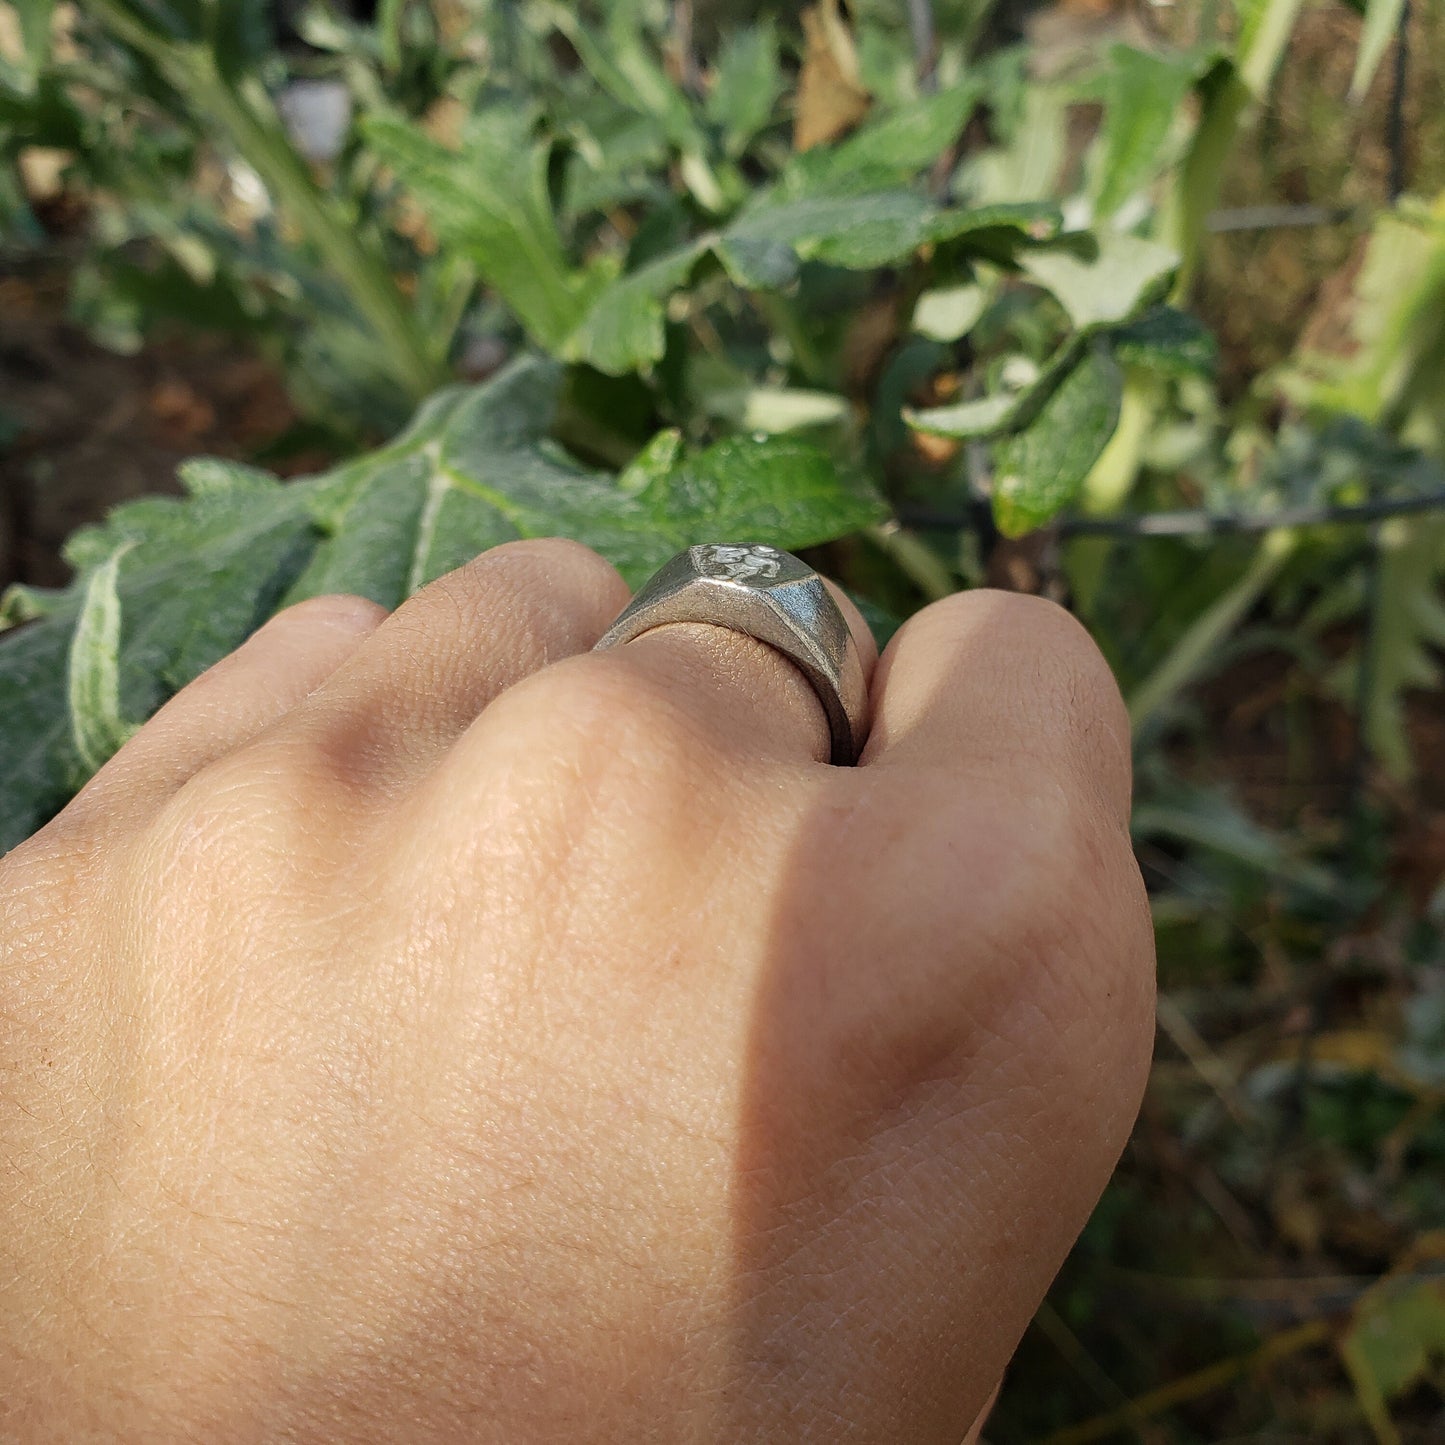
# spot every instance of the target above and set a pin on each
(1140, 306)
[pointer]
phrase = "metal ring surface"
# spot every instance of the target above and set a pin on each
(775, 598)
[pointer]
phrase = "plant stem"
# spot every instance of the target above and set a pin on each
(1184, 218)
(1225, 93)
(1201, 1382)
(251, 124)
(1188, 656)
(388, 29)
(781, 317)
(915, 559)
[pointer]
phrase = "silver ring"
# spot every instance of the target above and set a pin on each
(772, 596)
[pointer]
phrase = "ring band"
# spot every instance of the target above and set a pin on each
(775, 598)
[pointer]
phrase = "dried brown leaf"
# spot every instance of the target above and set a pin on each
(831, 96)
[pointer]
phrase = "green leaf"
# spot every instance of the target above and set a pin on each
(618, 158)
(773, 410)
(1041, 470)
(1409, 626)
(1121, 276)
(625, 330)
(623, 63)
(241, 34)
(950, 312)
(747, 83)
(890, 150)
(489, 200)
(750, 489)
(1144, 94)
(765, 247)
(1382, 20)
(1398, 1332)
(1264, 30)
(1027, 167)
(34, 17)
(655, 462)
(1002, 411)
(166, 587)
(93, 676)
(1168, 341)
(982, 416)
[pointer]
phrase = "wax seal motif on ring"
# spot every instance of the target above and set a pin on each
(774, 597)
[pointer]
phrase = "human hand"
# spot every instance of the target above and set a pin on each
(427, 1029)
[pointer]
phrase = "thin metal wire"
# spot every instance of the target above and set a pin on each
(1196, 523)
(921, 27)
(1277, 218)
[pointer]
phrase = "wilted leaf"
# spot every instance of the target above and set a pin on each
(192, 578)
(1041, 470)
(831, 96)
(890, 150)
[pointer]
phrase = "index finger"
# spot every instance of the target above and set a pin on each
(1003, 681)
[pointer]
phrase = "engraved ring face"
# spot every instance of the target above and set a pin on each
(774, 597)
(738, 564)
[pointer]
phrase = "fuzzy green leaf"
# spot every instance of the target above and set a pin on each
(169, 586)
(747, 83)
(757, 489)
(889, 150)
(625, 329)
(1041, 470)
(763, 249)
(625, 65)
(1144, 95)
(1168, 341)
(489, 201)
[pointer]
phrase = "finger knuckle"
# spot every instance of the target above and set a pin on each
(533, 568)
(1068, 676)
(250, 818)
(335, 611)
(606, 724)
